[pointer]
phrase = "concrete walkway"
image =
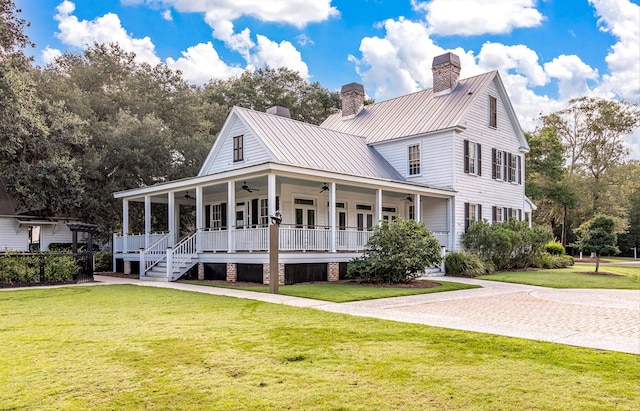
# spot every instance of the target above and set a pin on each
(602, 319)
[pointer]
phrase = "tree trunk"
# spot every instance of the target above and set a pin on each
(597, 262)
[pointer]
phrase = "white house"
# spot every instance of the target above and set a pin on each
(445, 156)
(20, 231)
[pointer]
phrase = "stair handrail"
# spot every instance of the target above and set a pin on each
(154, 253)
(185, 248)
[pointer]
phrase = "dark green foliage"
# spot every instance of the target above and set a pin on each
(398, 252)
(548, 260)
(598, 236)
(554, 248)
(461, 263)
(18, 268)
(510, 245)
(103, 261)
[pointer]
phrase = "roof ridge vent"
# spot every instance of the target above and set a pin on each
(279, 111)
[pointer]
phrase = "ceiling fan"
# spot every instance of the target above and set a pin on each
(245, 187)
(187, 196)
(324, 188)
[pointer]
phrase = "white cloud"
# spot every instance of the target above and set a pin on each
(572, 75)
(621, 19)
(304, 40)
(49, 55)
(201, 63)
(297, 13)
(281, 54)
(105, 29)
(167, 15)
(519, 59)
(475, 17)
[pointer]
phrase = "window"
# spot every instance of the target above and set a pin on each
(414, 160)
(499, 214)
(493, 112)
(472, 158)
(498, 171)
(264, 211)
(238, 149)
(216, 216)
(472, 212)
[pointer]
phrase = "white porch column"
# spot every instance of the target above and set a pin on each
(332, 217)
(171, 216)
(147, 220)
(125, 225)
(417, 207)
(199, 217)
(231, 214)
(271, 194)
(378, 206)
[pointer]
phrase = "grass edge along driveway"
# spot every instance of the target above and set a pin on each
(128, 348)
(342, 293)
(577, 276)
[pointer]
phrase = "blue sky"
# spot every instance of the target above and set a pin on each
(547, 51)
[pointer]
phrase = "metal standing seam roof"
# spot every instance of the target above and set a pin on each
(413, 114)
(301, 144)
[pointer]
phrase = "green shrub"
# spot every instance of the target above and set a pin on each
(464, 264)
(103, 261)
(546, 260)
(397, 252)
(555, 248)
(510, 245)
(57, 268)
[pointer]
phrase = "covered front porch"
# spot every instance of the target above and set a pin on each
(225, 217)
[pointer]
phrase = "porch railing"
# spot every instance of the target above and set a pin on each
(156, 252)
(132, 243)
(292, 238)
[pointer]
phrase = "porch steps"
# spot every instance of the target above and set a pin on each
(159, 271)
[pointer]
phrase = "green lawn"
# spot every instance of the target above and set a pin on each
(132, 348)
(574, 277)
(341, 293)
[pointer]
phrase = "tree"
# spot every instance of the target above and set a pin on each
(598, 236)
(397, 252)
(548, 183)
(592, 131)
(268, 87)
(38, 139)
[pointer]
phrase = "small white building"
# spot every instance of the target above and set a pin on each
(445, 156)
(24, 232)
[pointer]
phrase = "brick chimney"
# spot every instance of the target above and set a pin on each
(279, 111)
(352, 99)
(446, 71)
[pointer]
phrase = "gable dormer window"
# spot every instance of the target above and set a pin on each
(472, 158)
(493, 112)
(414, 160)
(238, 148)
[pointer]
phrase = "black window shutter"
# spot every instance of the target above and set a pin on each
(509, 160)
(479, 160)
(207, 216)
(223, 211)
(494, 214)
(493, 163)
(466, 216)
(505, 166)
(479, 216)
(466, 156)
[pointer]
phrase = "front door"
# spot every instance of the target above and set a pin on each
(305, 213)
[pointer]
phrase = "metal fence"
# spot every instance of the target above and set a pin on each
(36, 268)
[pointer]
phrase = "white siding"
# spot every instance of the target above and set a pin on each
(436, 152)
(10, 240)
(434, 213)
(58, 233)
(483, 189)
(254, 151)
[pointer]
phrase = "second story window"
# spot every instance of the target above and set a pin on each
(238, 148)
(414, 160)
(472, 158)
(498, 164)
(493, 112)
